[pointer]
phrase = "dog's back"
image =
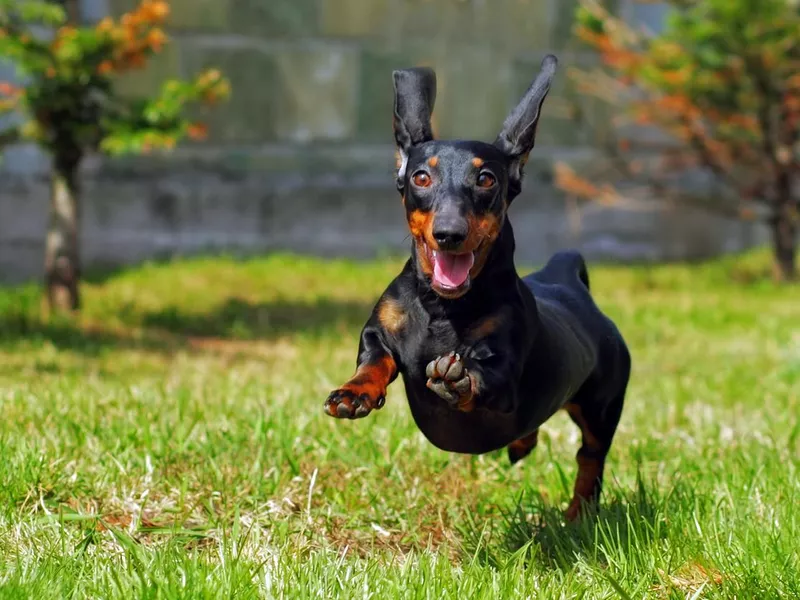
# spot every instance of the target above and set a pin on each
(564, 302)
(563, 283)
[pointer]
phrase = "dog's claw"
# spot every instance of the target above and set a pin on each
(455, 371)
(430, 371)
(344, 404)
(449, 379)
(463, 385)
(444, 363)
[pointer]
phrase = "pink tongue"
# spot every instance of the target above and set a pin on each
(451, 270)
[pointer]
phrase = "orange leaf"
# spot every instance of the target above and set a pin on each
(156, 39)
(136, 61)
(154, 11)
(6, 89)
(569, 181)
(197, 131)
(105, 67)
(105, 25)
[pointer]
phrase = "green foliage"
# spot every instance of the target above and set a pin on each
(31, 12)
(719, 89)
(723, 58)
(68, 95)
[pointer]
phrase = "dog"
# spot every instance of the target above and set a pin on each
(486, 357)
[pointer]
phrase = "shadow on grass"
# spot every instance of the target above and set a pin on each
(243, 320)
(66, 335)
(535, 531)
(169, 330)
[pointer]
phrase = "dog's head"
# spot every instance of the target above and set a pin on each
(456, 193)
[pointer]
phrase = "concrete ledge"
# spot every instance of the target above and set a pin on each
(137, 214)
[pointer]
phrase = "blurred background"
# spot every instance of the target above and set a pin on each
(301, 156)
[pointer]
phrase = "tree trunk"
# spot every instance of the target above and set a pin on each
(784, 230)
(784, 233)
(62, 252)
(73, 10)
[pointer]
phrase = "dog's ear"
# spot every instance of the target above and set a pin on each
(414, 97)
(519, 130)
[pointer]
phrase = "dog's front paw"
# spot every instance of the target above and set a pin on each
(349, 403)
(449, 379)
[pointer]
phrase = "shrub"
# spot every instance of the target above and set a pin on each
(716, 95)
(70, 106)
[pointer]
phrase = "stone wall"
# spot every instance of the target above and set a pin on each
(301, 157)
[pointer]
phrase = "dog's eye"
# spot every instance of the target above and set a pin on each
(421, 179)
(486, 180)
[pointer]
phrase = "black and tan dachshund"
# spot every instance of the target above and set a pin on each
(486, 356)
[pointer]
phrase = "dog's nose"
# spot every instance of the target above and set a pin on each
(449, 234)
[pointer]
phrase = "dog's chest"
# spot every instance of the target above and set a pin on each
(432, 340)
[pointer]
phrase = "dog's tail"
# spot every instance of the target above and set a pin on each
(568, 264)
(583, 272)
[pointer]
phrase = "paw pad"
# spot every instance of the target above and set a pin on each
(449, 379)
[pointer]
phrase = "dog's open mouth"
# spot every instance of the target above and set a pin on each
(451, 271)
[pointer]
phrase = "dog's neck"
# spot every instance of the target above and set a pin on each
(499, 272)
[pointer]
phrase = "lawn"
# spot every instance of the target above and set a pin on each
(171, 443)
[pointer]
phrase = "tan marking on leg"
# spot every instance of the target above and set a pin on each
(590, 469)
(589, 440)
(519, 449)
(372, 379)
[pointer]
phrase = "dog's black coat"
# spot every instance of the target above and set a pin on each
(486, 364)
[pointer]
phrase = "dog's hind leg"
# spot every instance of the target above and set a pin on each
(519, 449)
(598, 423)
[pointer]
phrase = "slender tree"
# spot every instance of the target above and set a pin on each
(705, 113)
(70, 106)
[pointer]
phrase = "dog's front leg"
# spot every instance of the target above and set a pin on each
(483, 372)
(366, 389)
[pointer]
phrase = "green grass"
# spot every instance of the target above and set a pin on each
(172, 444)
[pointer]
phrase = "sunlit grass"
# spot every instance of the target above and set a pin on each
(172, 444)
